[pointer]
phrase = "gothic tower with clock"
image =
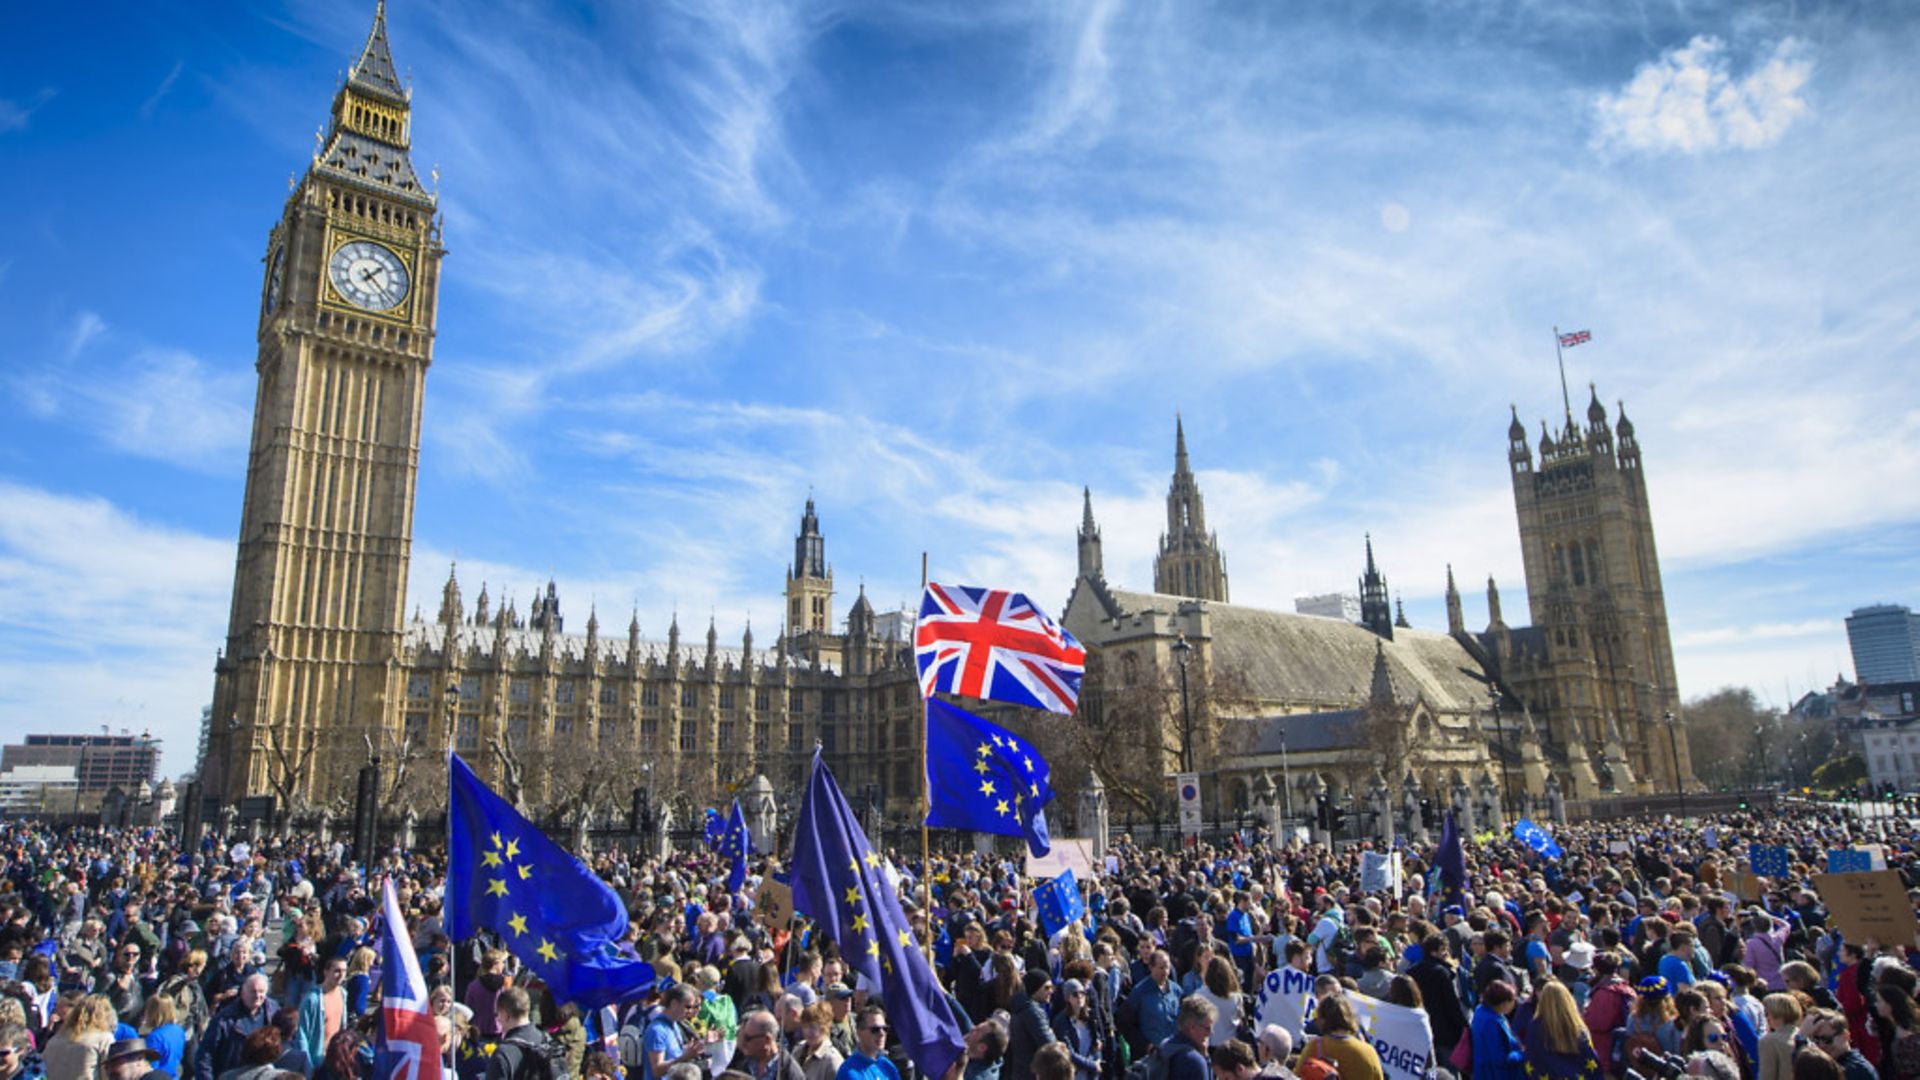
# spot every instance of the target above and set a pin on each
(313, 665)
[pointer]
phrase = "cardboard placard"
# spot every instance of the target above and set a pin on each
(1869, 904)
(1743, 884)
(774, 902)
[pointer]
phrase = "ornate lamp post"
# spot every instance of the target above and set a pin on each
(1673, 748)
(1500, 731)
(1286, 780)
(1181, 653)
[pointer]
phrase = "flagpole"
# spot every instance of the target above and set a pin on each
(926, 787)
(1560, 354)
(452, 1062)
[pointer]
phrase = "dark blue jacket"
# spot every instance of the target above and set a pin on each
(1497, 1055)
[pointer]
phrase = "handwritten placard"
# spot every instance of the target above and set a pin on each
(1870, 904)
(775, 902)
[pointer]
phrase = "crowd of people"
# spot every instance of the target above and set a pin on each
(126, 954)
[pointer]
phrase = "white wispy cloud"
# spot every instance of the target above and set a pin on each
(152, 103)
(87, 327)
(1689, 100)
(15, 114)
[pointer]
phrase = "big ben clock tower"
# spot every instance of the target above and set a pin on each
(313, 655)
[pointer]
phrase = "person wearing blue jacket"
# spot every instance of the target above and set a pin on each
(1497, 1053)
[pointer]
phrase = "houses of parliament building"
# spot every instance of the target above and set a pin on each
(322, 664)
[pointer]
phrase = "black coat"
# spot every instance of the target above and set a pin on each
(1437, 983)
(1027, 1032)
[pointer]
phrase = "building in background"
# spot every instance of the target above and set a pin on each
(98, 762)
(1885, 640)
(37, 789)
(1335, 605)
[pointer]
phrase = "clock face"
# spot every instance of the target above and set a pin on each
(368, 275)
(276, 274)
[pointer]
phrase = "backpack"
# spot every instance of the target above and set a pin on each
(1340, 949)
(1626, 1050)
(1317, 1068)
(1153, 1066)
(632, 1046)
(538, 1061)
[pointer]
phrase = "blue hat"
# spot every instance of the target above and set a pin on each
(1653, 986)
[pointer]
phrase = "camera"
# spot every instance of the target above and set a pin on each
(1657, 1066)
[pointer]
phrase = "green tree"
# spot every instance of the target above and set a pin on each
(1842, 773)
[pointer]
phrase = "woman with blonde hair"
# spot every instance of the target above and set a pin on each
(79, 1051)
(359, 984)
(1776, 1046)
(1558, 1042)
(159, 1026)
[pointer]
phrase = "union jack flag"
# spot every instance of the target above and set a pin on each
(995, 644)
(1569, 340)
(409, 1046)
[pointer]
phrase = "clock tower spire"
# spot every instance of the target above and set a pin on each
(345, 339)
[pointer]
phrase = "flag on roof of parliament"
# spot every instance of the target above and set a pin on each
(736, 843)
(840, 882)
(996, 644)
(984, 778)
(408, 1047)
(556, 915)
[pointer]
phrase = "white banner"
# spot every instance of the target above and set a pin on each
(1188, 785)
(1283, 1000)
(1380, 872)
(1068, 853)
(1401, 1036)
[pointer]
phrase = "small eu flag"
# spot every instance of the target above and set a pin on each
(1453, 862)
(1059, 902)
(716, 828)
(736, 843)
(556, 915)
(839, 883)
(1536, 838)
(984, 778)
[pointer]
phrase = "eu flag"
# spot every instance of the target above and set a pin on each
(839, 883)
(736, 843)
(1536, 838)
(1453, 863)
(984, 778)
(716, 827)
(556, 915)
(1059, 902)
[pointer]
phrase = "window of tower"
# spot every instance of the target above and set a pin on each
(689, 738)
(723, 741)
(1593, 560)
(762, 699)
(1559, 562)
(517, 731)
(1579, 565)
(796, 739)
(726, 697)
(419, 686)
(609, 695)
(563, 726)
(829, 738)
(762, 738)
(469, 688)
(417, 729)
(649, 731)
(518, 691)
(468, 739)
(563, 692)
(796, 701)
(689, 697)
(829, 702)
(649, 695)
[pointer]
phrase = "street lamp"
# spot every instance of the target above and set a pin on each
(1181, 653)
(452, 696)
(1500, 731)
(1673, 747)
(1286, 781)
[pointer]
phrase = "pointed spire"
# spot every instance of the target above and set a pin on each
(1371, 571)
(633, 625)
(1086, 511)
(374, 71)
(482, 607)
(1596, 412)
(451, 610)
(1456, 618)
(1625, 427)
(1400, 614)
(1516, 431)
(1376, 612)
(1380, 687)
(1179, 444)
(1493, 604)
(593, 620)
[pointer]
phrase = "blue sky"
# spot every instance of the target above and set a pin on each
(943, 264)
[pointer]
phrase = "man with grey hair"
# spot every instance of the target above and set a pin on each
(760, 1055)
(786, 1014)
(249, 1011)
(1275, 1049)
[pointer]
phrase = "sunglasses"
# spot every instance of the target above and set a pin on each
(878, 1029)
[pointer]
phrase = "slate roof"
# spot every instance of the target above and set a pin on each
(373, 73)
(355, 157)
(1306, 732)
(1313, 660)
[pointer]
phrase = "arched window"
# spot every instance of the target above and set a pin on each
(1579, 565)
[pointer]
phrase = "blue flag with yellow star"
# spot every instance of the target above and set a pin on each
(840, 883)
(556, 915)
(984, 778)
(736, 843)
(1059, 902)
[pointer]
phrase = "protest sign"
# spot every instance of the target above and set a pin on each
(1619, 847)
(774, 902)
(1067, 854)
(1771, 862)
(1868, 904)
(1380, 872)
(1849, 861)
(1401, 1036)
(1284, 999)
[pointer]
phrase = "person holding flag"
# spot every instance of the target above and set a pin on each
(408, 1047)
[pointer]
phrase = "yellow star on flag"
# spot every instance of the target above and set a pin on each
(906, 939)
(1028, 762)
(873, 948)
(853, 864)
(980, 767)
(491, 858)
(496, 887)
(519, 924)
(985, 750)
(1002, 807)
(859, 923)
(547, 951)
(496, 839)
(513, 848)
(853, 894)
(987, 788)
(1035, 788)
(872, 859)
(526, 871)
